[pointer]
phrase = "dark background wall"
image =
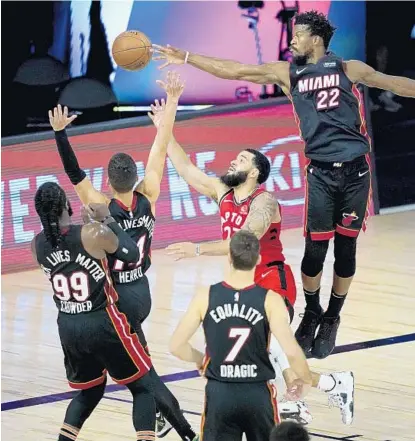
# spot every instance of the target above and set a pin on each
(389, 48)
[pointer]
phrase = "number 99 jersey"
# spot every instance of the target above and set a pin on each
(138, 221)
(80, 282)
(237, 335)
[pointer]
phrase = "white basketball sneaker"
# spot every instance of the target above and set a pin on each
(296, 411)
(342, 395)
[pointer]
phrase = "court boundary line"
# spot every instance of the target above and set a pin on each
(186, 375)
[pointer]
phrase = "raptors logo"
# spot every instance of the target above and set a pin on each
(349, 218)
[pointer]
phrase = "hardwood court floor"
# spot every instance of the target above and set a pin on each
(381, 304)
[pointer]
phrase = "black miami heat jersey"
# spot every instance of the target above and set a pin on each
(138, 222)
(328, 110)
(237, 335)
(79, 281)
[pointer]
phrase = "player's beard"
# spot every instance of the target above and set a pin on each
(302, 59)
(234, 179)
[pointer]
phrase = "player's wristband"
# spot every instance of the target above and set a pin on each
(68, 157)
(198, 249)
(127, 250)
(186, 57)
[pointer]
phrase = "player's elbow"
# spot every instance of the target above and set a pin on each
(175, 346)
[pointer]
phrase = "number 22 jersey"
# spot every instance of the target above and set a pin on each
(328, 110)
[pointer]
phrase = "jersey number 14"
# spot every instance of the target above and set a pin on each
(119, 264)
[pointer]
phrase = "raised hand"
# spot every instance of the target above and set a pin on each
(173, 86)
(59, 119)
(157, 112)
(171, 54)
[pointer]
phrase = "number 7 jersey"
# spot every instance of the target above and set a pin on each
(237, 335)
(328, 110)
(138, 222)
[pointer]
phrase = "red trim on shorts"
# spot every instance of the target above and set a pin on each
(89, 384)
(369, 197)
(321, 235)
(308, 161)
(347, 231)
(129, 380)
(131, 344)
(203, 419)
(226, 285)
(110, 291)
(273, 392)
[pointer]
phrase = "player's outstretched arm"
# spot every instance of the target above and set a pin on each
(268, 73)
(359, 72)
(105, 236)
(279, 323)
(195, 177)
(150, 185)
(179, 343)
(83, 186)
(263, 211)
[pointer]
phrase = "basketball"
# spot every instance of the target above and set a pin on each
(131, 50)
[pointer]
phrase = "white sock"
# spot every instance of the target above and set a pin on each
(326, 383)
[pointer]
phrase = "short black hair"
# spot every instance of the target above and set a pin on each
(289, 431)
(244, 249)
(50, 202)
(318, 25)
(262, 164)
(122, 172)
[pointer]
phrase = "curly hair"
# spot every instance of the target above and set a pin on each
(318, 25)
(50, 201)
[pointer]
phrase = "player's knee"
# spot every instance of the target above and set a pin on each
(344, 255)
(314, 256)
(86, 401)
(142, 385)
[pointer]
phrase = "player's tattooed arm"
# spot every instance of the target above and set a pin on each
(263, 211)
(59, 120)
(359, 72)
(150, 185)
(179, 343)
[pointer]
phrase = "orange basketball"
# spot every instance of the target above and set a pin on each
(131, 50)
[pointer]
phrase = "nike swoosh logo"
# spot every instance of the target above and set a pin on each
(299, 71)
(266, 274)
(361, 174)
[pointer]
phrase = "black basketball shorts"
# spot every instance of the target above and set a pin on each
(232, 409)
(337, 198)
(97, 342)
(134, 300)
